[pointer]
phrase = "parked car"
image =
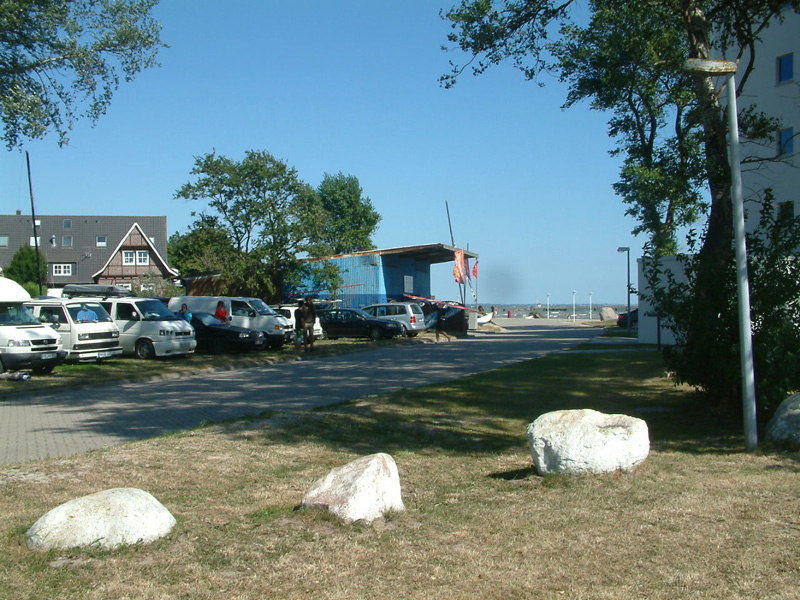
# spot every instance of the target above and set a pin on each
(215, 336)
(352, 322)
(86, 329)
(146, 328)
(622, 319)
(288, 312)
(408, 314)
(251, 313)
(25, 343)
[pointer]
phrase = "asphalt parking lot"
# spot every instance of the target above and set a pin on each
(74, 420)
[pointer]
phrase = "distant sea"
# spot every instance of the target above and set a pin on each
(557, 311)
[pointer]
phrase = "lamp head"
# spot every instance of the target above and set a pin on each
(710, 67)
(623, 249)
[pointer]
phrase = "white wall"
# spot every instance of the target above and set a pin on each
(648, 322)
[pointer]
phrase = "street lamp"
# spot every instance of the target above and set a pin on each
(727, 68)
(628, 250)
(573, 305)
(590, 305)
(548, 305)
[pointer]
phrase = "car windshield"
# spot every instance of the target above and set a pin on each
(154, 310)
(207, 319)
(262, 307)
(88, 312)
(360, 314)
(16, 314)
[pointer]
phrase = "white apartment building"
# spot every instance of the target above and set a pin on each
(774, 86)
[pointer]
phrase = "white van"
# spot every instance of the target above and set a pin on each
(147, 329)
(24, 342)
(85, 328)
(251, 313)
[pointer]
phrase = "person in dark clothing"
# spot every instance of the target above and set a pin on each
(310, 316)
(440, 323)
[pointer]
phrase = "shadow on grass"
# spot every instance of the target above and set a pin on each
(488, 413)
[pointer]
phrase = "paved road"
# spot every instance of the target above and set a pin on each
(70, 421)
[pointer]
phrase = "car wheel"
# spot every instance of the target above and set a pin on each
(220, 346)
(145, 350)
(376, 334)
(405, 333)
(43, 369)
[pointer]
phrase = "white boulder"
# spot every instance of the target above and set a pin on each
(608, 314)
(107, 519)
(784, 427)
(587, 441)
(364, 489)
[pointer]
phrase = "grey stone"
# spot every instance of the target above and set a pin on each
(784, 427)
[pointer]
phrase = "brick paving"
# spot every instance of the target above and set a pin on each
(70, 421)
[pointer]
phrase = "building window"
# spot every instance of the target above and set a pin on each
(36, 242)
(3, 241)
(127, 257)
(785, 68)
(102, 241)
(786, 141)
(142, 257)
(62, 270)
(66, 241)
(67, 223)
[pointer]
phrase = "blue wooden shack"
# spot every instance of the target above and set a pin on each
(391, 274)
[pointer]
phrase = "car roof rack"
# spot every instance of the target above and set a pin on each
(94, 290)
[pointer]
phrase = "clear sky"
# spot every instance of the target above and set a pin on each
(351, 86)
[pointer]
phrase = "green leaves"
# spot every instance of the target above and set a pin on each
(60, 61)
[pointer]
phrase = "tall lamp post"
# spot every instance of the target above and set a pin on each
(590, 305)
(628, 251)
(573, 306)
(548, 305)
(728, 69)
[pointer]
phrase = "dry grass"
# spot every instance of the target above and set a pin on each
(700, 519)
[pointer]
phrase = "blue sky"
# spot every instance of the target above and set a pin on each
(352, 86)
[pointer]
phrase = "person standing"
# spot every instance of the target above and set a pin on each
(299, 325)
(310, 319)
(440, 323)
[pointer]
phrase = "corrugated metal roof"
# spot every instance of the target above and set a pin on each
(433, 253)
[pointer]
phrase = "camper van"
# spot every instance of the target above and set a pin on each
(251, 313)
(24, 342)
(86, 329)
(146, 328)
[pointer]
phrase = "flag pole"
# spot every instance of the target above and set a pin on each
(33, 218)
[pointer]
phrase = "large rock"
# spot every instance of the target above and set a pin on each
(587, 441)
(784, 427)
(108, 519)
(364, 489)
(608, 314)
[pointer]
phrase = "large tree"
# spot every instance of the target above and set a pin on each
(268, 218)
(62, 60)
(671, 127)
(23, 266)
(350, 218)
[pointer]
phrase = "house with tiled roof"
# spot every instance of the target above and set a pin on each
(112, 250)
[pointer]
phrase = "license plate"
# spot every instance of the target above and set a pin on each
(104, 354)
(49, 355)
